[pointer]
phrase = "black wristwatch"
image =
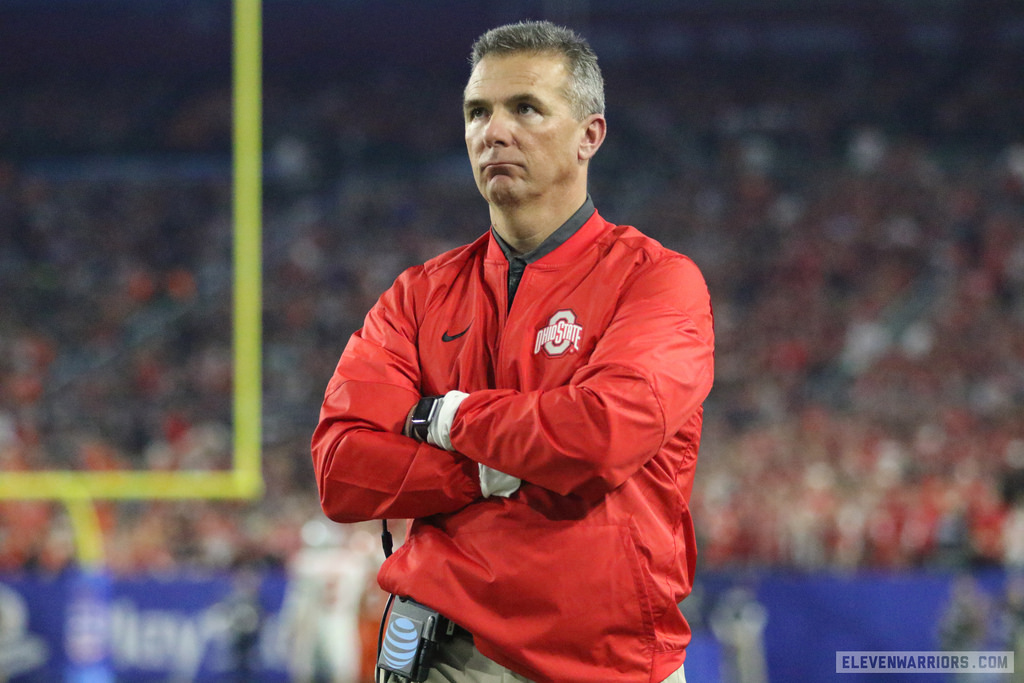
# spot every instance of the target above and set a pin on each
(422, 414)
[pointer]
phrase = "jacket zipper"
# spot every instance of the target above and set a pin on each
(506, 313)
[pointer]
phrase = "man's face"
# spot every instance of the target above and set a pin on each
(523, 142)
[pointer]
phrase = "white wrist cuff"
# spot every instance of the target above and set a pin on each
(440, 429)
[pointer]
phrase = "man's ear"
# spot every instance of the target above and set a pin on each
(593, 136)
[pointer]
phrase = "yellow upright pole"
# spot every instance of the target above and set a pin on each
(88, 532)
(248, 256)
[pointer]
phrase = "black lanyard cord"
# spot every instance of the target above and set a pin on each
(385, 539)
(388, 542)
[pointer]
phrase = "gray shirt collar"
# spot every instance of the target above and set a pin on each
(554, 240)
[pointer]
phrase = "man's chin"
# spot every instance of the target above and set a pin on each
(502, 194)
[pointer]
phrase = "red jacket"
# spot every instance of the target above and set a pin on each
(589, 389)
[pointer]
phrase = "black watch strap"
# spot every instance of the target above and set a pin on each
(422, 415)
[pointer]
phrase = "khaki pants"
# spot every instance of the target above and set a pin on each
(459, 662)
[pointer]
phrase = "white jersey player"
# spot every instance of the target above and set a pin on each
(327, 581)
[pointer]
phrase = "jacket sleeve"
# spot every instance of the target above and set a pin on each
(646, 379)
(365, 468)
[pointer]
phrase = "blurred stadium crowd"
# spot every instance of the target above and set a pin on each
(860, 223)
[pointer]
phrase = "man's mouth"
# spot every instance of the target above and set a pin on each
(498, 167)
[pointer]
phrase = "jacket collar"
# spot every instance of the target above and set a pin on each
(498, 248)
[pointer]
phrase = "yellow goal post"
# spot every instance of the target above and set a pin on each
(78, 489)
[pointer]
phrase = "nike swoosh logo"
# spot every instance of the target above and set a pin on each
(452, 337)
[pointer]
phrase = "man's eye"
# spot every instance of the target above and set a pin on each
(475, 113)
(526, 108)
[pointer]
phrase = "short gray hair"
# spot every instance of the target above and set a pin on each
(586, 85)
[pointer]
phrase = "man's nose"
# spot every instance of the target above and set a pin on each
(498, 130)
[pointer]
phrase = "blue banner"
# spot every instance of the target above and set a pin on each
(151, 629)
(749, 626)
(772, 626)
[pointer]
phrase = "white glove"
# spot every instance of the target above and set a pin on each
(495, 483)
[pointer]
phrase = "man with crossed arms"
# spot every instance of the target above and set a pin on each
(532, 401)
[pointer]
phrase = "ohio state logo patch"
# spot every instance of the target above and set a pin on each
(559, 335)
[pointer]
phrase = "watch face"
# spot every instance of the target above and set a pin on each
(421, 416)
(424, 410)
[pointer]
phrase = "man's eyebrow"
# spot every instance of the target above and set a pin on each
(523, 97)
(474, 102)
